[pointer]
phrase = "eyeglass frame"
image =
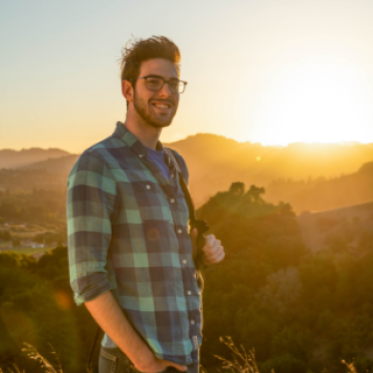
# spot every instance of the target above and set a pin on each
(164, 81)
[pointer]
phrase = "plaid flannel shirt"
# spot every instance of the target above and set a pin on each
(128, 233)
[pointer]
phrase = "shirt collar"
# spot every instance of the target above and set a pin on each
(128, 138)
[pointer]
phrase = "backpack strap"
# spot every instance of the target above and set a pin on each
(171, 154)
(201, 225)
(184, 187)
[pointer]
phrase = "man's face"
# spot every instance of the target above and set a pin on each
(156, 108)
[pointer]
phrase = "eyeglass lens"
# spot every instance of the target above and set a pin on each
(156, 84)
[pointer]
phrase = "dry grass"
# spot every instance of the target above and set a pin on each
(15, 369)
(350, 366)
(241, 361)
(33, 354)
(244, 362)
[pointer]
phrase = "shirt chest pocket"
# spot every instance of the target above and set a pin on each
(152, 201)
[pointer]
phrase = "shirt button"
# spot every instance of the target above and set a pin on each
(148, 187)
(141, 155)
(189, 292)
(192, 322)
(172, 200)
(184, 261)
(172, 175)
(179, 231)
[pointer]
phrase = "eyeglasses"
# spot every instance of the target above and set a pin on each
(155, 83)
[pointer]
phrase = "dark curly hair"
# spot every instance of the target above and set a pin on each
(142, 50)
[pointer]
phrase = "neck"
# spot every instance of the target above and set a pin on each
(147, 134)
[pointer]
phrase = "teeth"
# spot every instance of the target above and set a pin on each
(162, 106)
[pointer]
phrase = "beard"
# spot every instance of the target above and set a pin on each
(153, 120)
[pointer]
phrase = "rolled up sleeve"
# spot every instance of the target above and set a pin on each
(90, 205)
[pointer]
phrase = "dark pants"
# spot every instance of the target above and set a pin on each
(113, 360)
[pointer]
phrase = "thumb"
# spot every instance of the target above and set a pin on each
(194, 235)
(193, 239)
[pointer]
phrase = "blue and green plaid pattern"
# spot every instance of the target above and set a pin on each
(128, 233)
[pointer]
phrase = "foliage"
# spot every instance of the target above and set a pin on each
(324, 194)
(5, 235)
(39, 206)
(301, 311)
(37, 307)
(45, 364)
(241, 361)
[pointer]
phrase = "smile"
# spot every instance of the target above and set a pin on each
(162, 106)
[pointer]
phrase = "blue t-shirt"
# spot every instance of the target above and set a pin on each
(157, 156)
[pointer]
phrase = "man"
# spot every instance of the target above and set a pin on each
(130, 252)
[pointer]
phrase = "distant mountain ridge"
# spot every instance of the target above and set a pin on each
(290, 173)
(321, 194)
(60, 165)
(215, 162)
(18, 158)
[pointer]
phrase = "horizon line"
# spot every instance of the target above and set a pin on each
(263, 144)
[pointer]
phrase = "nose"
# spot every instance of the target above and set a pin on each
(165, 91)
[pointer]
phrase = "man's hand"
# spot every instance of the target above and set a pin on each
(213, 252)
(158, 365)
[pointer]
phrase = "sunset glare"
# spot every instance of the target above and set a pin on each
(320, 99)
(274, 72)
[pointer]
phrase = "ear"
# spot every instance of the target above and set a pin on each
(127, 90)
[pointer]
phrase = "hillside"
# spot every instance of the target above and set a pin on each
(302, 311)
(322, 194)
(309, 176)
(50, 174)
(345, 226)
(297, 160)
(60, 165)
(17, 158)
(215, 162)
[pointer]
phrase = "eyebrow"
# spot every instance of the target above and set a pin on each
(161, 77)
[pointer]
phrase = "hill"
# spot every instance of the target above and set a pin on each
(60, 165)
(215, 162)
(17, 158)
(345, 227)
(301, 311)
(295, 173)
(322, 194)
(50, 174)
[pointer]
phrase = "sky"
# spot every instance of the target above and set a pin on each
(268, 71)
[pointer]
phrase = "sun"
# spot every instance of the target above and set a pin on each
(318, 100)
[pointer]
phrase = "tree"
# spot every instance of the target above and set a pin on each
(16, 242)
(254, 194)
(237, 189)
(283, 290)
